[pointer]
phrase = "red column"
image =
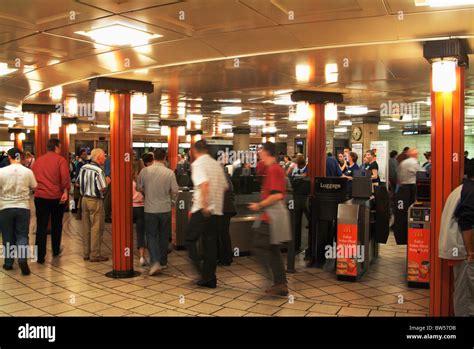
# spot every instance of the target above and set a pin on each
(64, 139)
(447, 154)
(18, 143)
(173, 143)
(41, 134)
(316, 140)
(121, 186)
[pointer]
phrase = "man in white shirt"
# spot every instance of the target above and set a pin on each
(210, 185)
(409, 167)
(16, 183)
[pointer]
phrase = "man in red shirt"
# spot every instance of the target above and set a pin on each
(273, 191)
(52, 174)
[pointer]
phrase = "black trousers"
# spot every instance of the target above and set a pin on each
(205, 229)
(224, 244)
(46, 208)
(108, 204)
(300, 208)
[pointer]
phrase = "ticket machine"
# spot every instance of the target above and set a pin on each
(419, 223)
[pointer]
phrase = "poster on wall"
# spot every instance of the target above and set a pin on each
(381, 149)
(358, 149)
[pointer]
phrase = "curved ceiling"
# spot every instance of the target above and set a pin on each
(211, 51)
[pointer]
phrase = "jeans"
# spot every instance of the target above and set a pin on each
(158, 233)
(46, 208)
(139, 220)
(269, 255)
(207, 229)
(15, 224)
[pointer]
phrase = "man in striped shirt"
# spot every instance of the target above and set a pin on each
(92, 185)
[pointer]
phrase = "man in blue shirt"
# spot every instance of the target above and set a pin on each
(332, 167)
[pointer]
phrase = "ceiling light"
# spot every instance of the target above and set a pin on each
(444, 76)
(269, 129)
(443, 3)
(4, 70)
(303, 112)
(139, 104)
(22, 136)
(119, 35)
(72, 129)
(283, 135)
(356, 110)
(165, 130)
(283, 100)
(345, 123)
(303, 72)
(56, 93)
(340, 129)
(102, 101)
(101, 126)
(181, 131)
(231, 110)
(384, 127)
(28, 119)
(330, 111)
(331, 73)
(55, 120)
(53, 130)
(428, 123)
(71, 106)
(255, 122)
(302, 127)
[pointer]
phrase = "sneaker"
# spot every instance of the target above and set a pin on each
(143, 261)
(278, 290)
(155, 269)
(25, 270)
(99, 259)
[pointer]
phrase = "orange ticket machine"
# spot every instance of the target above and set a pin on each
(418, 245)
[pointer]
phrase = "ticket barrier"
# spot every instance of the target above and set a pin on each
(328, 193)
(419, 224)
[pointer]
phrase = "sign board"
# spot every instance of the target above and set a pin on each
(381, 148)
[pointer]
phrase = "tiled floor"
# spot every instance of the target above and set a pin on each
(69, 286)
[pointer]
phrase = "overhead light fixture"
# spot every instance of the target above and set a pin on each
(345, 123)
(356, 110)
(194, 118)
(55, 120)
(302, 127)
(256, 122)
(303, 112)
(71, 106)
(56, 93)
(330, 112)
(443, 3)
(231, 110)
(283, 100)
(340, 129)
(22, 136)
(165, 130)
(303, 71)
(4, 70)
(53, 130)
(269, 129)
(428, 123)
(28, 119)
(181, 131)
(444, 75)
(102, 126)
(383, 127)
(283, 135)
(139, 104)
(331, 73)
(72, 129)
(119, 35)
(102, 101)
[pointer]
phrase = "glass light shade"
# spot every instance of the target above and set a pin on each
(28, 119)
(55, 120)
(165, 131)
(303, 112)
(139, 104)
(102, 101)
(72, 129)
(71, 106)
(22, 136)
(330, 111)
(331, 73)
(444, 76)
(56, 93)
(181, 131)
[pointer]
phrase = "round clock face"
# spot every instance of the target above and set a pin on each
(356, 133)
